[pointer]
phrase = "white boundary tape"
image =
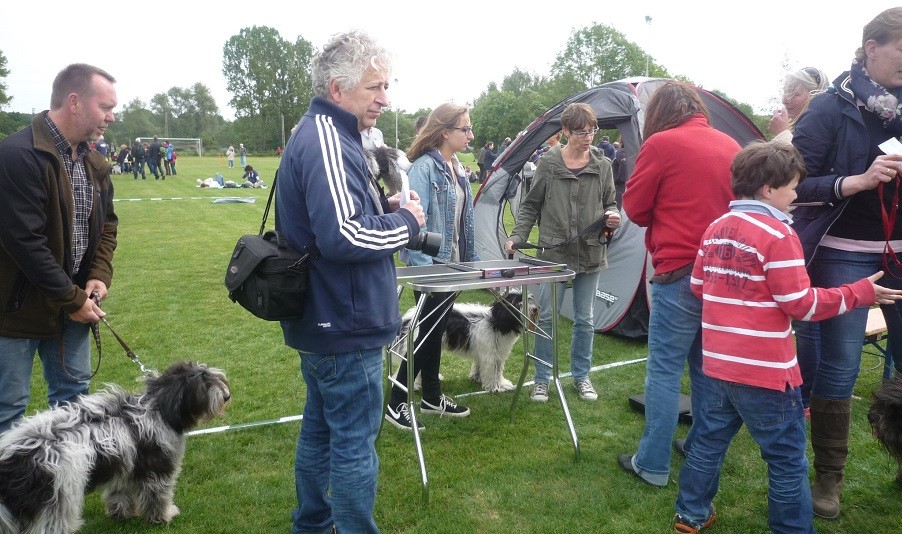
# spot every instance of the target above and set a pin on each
(291, 418)
(166, 198)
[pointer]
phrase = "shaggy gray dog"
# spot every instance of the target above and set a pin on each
(885, 417)
(387, 164)
(131, 445)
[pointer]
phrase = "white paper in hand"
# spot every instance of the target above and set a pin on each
(891, 146)
(405, 187)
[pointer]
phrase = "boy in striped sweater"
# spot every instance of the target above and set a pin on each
(750, 275)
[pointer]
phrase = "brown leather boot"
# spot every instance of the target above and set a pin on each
(830, 423)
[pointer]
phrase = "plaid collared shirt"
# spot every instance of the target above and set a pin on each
(82, 192)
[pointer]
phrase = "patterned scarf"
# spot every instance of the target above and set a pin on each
(876, 98)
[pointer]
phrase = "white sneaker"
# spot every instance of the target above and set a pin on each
(585, 389)
(539, 392)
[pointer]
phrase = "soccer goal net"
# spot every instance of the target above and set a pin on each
(182, 145)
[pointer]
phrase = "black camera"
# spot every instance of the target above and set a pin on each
(426, 242)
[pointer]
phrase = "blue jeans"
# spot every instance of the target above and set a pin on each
(842, 337)
(808, 353)
(584, 285)
(674, 337)
(336, 465)
(776, 421)
(243, 161)
(138, 168)
(17, 361)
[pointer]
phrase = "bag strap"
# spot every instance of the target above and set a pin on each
(272, 192)
(310, 250)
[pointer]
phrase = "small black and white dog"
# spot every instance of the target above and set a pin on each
(885, 417)
(483, 334)
(131, 445)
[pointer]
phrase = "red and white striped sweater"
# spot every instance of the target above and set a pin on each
(750, 274)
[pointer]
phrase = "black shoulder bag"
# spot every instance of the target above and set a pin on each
(266, 276)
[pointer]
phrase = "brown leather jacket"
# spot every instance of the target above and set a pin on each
(37, 290)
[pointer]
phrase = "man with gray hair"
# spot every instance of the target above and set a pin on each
(57, 237)
(328, 200)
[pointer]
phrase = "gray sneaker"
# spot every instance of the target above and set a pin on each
(585, 389)
(539, 392)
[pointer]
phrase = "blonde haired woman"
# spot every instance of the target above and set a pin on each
(798, 90)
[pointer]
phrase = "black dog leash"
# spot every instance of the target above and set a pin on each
(598, 227)
(95, 330)
(128, 351)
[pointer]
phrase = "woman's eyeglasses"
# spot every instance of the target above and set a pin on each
(586, 133)
(466, 130)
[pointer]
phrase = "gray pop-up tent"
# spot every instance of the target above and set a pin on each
(621, 305)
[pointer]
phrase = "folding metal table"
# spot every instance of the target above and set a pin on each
(492, 275)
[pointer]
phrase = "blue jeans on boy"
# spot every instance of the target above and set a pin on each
(674, 336)
(336, 465)
(776, 421)
(17, 361)
(842, 337)
(584, 285)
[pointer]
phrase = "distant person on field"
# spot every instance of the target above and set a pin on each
(242, 153)
(230, 156)
(488, 159)
(139, 155)
(167, 160)
(251, 177)
(154, 158)
(750, 275)
(605, 146)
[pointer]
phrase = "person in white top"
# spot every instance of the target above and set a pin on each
(372, 138)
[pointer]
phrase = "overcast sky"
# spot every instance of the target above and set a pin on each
(440, 54)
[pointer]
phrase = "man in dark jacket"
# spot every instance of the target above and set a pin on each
(154, 158)
(327, 197)
(605, 146)
(139, 156)
(57, 237)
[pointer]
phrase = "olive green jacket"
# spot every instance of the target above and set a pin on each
(565, 204)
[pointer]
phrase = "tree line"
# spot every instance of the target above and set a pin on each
(269, 80)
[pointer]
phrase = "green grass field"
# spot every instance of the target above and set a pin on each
(487, 474)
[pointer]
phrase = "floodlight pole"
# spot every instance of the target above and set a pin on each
(396, 120)
(648, 22)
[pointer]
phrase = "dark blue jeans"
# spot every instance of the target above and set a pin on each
(336, 465)
(842, 337)
(776, 420)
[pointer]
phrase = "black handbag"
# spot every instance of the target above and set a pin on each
(266, 276)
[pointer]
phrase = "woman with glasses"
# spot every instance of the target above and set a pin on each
(573, 188)
(444, 189)
(798, 89)
(681, 183)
